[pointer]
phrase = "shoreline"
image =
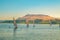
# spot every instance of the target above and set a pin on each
(29, 23)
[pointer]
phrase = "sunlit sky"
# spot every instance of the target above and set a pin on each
(18, 8)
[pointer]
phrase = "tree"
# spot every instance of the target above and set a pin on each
(38, 21)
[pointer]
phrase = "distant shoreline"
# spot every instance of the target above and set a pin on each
(25, 23)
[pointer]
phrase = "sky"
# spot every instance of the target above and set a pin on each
(19, 8)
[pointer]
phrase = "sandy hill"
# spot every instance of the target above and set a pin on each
(36, 16)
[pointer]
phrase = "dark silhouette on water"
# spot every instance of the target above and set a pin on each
(27, 23)
(14, 22)
(15, 28)
(33, 23)
(50, 22)
(59, 24)
(9, 27)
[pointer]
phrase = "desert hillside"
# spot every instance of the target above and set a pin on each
(36, 16)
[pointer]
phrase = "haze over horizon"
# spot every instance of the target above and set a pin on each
(18, 8)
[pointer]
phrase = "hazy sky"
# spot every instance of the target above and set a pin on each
(17, 8)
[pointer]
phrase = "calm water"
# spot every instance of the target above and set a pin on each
(39, 32)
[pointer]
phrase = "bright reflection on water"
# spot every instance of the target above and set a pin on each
(39, 32)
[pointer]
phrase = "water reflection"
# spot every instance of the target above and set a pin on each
(40, 32)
